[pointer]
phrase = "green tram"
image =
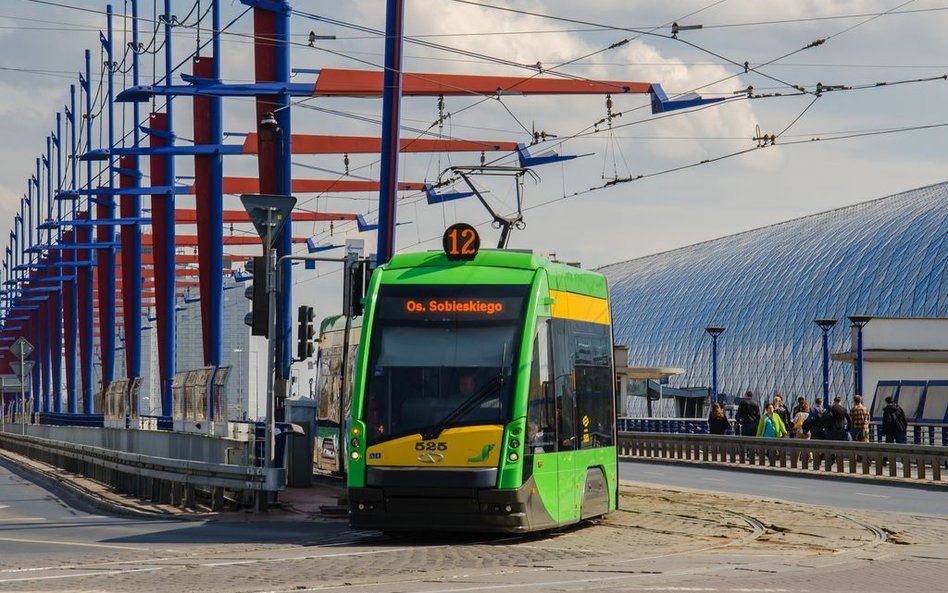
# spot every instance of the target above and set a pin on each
(483, 397)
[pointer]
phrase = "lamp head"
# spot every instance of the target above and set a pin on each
(825, 324)
(715, 330)
(859, 320)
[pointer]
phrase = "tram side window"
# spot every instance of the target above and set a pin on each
(563, 357)
(541, 405)
(593, 383)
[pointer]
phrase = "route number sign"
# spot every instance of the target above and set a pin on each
(461, 242)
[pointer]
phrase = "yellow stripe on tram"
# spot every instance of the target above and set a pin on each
(579, 307)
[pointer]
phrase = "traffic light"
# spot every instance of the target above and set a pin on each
(258, 319)
(358, 273)
(305, 335)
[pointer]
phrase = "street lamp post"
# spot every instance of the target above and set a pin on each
(859, 322)
(714, 331)
(826, 325)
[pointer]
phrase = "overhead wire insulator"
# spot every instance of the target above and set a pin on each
(345, 162)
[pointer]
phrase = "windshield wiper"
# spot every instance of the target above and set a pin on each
(465, 407)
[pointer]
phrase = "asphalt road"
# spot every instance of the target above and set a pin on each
(660, 540)
(865, 496)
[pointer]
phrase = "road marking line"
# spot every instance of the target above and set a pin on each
(872, 495)
(307, 557)
(81, 574)
(62, 543)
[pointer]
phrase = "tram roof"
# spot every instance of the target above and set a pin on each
(561, 276)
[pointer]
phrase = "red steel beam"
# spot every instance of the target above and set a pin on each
(322, 144)
(335, 82)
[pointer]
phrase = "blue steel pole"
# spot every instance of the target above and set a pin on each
(826, 365)
(56, 256)
(391, 107)
(216, 259)
(285, 240)
(168, 204)
(73, 305)
(29, 220)
(107, 279)
(714, 368)
(48, 345)
(85, 350)
(859, 361)
(133, 308)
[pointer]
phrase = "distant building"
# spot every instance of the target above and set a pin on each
(885, 258)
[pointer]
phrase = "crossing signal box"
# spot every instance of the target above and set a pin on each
(258, 319)
(306, 333)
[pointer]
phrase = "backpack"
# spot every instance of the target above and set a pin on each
(828, 420)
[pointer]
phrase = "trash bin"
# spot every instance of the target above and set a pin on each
(299, 464)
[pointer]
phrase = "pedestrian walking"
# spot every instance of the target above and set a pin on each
(800, 429)
(860, 420)
(781, 410)
(837, 428)
(770, 425)
(814, 422)
(894, 424)
(748, 415)
(717, 421)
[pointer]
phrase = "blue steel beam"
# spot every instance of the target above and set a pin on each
(391, 109)
(72, 297)
(105, 208)
(85, 284)
(131, 237)
(165, 268)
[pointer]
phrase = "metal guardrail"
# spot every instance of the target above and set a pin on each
(912, 462)
(929, 434)
(160, 478)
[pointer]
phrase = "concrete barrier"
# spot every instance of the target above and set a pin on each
(908, 462)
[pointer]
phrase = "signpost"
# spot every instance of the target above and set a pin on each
(268, 214)
(22, 349)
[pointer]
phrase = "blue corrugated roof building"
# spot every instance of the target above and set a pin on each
(886, 257)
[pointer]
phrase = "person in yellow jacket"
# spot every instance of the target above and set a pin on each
(770, 425)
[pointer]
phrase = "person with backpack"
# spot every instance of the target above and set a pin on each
(894, 424)
(814, 421)
(837, 428)
(748, 415)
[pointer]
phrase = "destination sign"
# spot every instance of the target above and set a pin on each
(451, 303)
(475, 306)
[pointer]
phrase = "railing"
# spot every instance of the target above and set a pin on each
(867, 459)
(929, 434)
(162, 479)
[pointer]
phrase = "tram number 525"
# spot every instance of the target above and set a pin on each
(461, 242)
(431, 446)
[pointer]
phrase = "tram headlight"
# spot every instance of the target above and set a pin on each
(514, 444)
(354, 443)
(355, 456)
(513, 456)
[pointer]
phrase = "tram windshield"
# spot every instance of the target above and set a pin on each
(441, 356)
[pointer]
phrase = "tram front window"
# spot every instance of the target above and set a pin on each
(441, 356)
(427, 378)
